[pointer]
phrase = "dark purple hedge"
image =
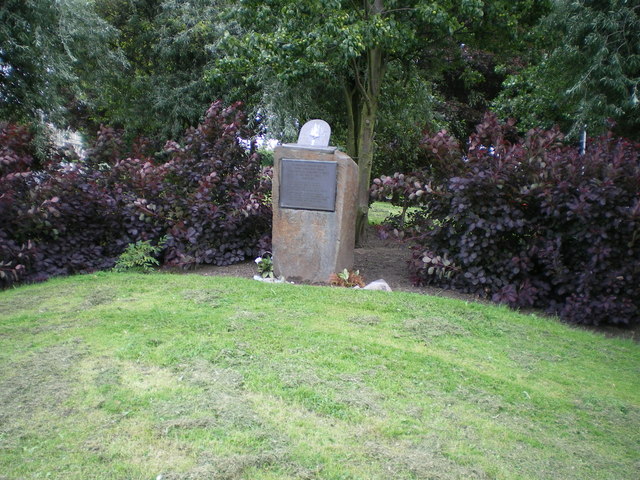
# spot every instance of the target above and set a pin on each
(532, 223)
(210, 197)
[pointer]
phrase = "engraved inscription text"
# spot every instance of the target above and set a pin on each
(307, 184)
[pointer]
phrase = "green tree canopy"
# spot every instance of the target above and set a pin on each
(588, 70)
(334, 55)
(52, 53)
(162, 90)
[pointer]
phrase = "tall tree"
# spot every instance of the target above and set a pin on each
(163, 88)
(339, 51)
(588, 70)
(50, 52)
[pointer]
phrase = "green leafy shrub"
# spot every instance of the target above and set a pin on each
(265, 265)
(347, 278)
(141, 256)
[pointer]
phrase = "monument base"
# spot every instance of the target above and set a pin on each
(311, 242)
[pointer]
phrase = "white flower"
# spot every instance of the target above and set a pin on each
(258, 260)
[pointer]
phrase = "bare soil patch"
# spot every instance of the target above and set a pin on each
(378, 258)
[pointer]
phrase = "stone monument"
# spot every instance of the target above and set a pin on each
(315, 190)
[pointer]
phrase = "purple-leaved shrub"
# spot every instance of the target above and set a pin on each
(210, 198)
(532, 223)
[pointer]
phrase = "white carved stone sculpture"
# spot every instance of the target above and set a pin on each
(315, 133)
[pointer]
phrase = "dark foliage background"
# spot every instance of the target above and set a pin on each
(209, 196)
(529, 221)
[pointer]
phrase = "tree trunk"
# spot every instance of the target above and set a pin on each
(350, 101)
(362, 109)
(367, 115)
(365, 162)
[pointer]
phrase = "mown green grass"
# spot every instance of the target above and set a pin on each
(124, 376)
(379, 211)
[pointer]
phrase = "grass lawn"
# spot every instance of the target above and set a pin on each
(379, 211)
(125, 376)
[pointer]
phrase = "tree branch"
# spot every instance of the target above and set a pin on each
(405, 9)
(359, 85)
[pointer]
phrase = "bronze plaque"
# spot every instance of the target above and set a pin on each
(308, 184)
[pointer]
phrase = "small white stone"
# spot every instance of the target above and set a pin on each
(378, 285)
(259, 278)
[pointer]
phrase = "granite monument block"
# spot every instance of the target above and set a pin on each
(314, 207)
